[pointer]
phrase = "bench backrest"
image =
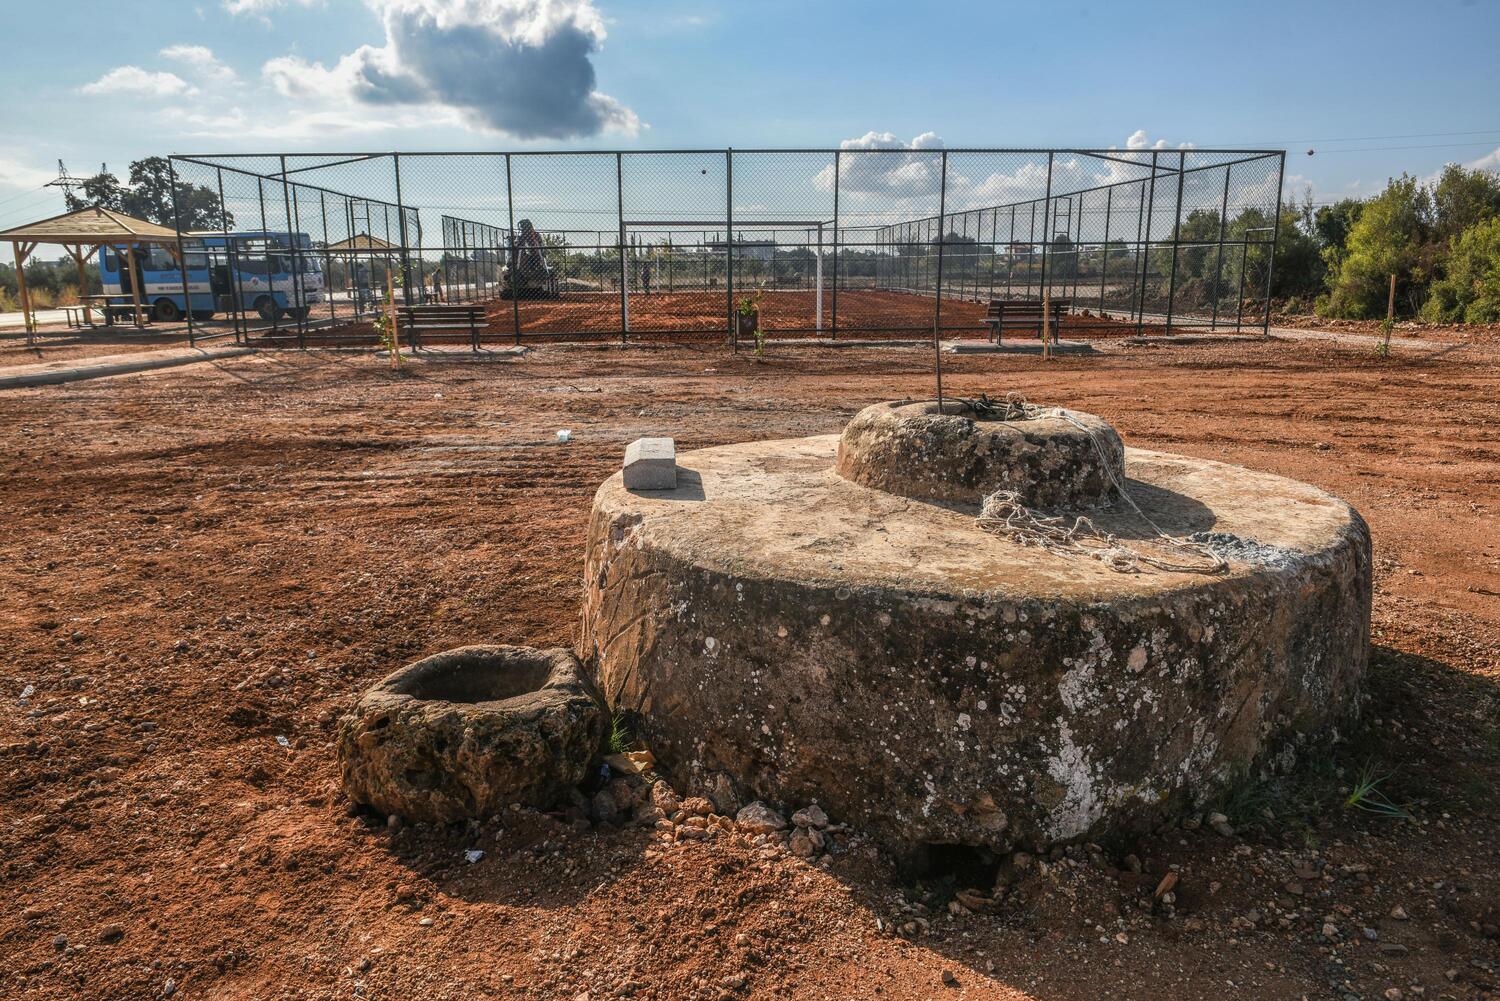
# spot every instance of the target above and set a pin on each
(1023, 309)
(417, 314)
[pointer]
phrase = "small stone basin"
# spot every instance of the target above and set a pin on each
(467, 732)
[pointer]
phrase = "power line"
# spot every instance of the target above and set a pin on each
(1360, 139)
(1381, 149)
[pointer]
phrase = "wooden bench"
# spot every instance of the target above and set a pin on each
(440, 318)
(1022, 314)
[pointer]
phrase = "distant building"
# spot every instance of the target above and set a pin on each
(748, 250)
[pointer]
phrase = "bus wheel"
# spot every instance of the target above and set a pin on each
(266, 307)
(166, 311)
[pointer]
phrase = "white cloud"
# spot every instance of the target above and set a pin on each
(15, 174)
(201, 60)
(290, 125)
(1490, 161)
(260, 8)
(518, 67)
(887, 169)
(134, 80)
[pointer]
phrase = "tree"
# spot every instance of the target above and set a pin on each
(1463, 198)
(1469, 291)
(150, 197)
(1331, 223)
(1389, 239)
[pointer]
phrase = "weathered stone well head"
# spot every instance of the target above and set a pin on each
(467, 732)
(824, 619)
(963, 451)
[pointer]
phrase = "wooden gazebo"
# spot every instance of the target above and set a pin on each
(83, 232)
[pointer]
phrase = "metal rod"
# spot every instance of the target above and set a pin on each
(260, 186)
(327, 260)
(734, 327)
(1265, 324)
(187, 295)
(937, 308)
(510, 271)
(405, 249)
(1176, 241)
(833, 331)
(291, 235)
(235, 292)
(1148, 207)
(1213, 324)
(1047, 241)
(1109, 207)
(624, 273)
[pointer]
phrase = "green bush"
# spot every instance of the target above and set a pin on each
(1469, 291)
(1389, 238)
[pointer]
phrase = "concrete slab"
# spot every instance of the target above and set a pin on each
(651, 464)
(78, 369)
(1017, 348)
(842, 342)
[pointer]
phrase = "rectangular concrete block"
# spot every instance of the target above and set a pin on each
(651, 464)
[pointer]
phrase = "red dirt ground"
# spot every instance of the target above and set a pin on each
(200, 561)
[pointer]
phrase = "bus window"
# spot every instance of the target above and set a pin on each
(159, 259)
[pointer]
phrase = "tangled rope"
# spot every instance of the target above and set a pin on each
(1004, 514)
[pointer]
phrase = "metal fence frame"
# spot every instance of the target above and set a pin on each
(1155, 277)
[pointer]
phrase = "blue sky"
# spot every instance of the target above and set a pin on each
(1375, 92)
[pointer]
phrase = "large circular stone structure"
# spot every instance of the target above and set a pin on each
(861, 641)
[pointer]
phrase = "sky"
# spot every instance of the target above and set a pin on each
(1374, 88)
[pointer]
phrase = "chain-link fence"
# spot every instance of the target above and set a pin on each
(725, 244)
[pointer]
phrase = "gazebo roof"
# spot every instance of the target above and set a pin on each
(363, 242)
(91, 225)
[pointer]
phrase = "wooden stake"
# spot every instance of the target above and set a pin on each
(1390, 313)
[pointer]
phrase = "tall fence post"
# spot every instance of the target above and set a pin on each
(1176, 239)
(1109, 207)
(937, 306)
(236, 290)
(511, 257)
(401, 228)
(260, 189)
(624, 267)
(833, 319)
(1147, 207)
(291, 235)
(187, 294)
(734, 327)
(1213, 323)
(1045, 286)
(1265, 324)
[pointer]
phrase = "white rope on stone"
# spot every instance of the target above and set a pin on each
(1004, 513)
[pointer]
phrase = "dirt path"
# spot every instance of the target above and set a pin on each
(201, 563)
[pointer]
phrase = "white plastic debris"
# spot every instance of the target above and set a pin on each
(473, 855)
(564, 435)
(28, 691)
(283, 741)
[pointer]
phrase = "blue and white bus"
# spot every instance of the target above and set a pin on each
(271, 274)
